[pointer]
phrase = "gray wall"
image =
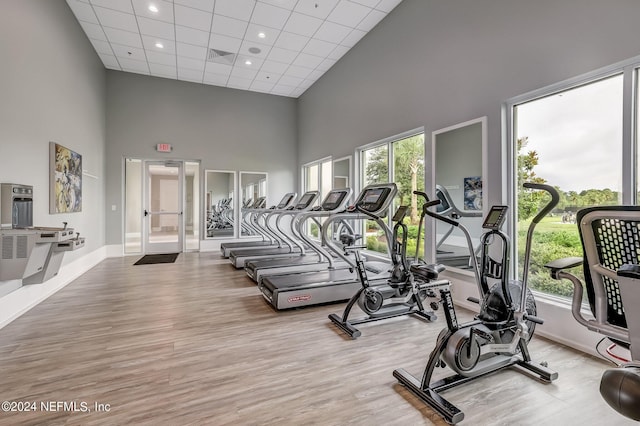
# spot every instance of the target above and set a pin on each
(435, 63)
(225, 128)
(52, 88)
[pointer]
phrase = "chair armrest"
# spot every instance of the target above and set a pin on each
(564, 263)
(629, 270)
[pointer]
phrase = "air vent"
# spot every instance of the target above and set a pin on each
(7, 247)
(221, 57)
(22, 247)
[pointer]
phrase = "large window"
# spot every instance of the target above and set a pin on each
(400, 160)
(317, 176)
(572, 139)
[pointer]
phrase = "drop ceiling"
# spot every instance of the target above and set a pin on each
(272, 46)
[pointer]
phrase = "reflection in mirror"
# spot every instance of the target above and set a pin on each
(220, 188)
(459, 175)
(341, 172)
(252, 185)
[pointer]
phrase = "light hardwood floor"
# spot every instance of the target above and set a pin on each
(194, 343)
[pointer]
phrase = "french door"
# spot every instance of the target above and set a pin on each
(162, 207)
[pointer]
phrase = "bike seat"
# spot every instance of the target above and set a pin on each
(427, 272)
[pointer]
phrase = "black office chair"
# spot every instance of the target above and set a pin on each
(610, 238)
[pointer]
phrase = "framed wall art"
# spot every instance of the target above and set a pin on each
(473, 193)
(65, 192)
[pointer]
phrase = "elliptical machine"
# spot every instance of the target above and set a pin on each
(497, 338)
(404, 292)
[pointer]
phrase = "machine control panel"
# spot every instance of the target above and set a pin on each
(496, 217)
(306, 200)
(373, 199)
(334, 199)
(286, 200)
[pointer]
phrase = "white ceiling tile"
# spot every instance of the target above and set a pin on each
(291, 41)
(296, 93)
(264, 50)
(133, 65)
(387, 5)
(326, 64)
(206, 5)
(190, 75)
(243, 72)
(149, 42)
(163, 70)
(191, 51)
(93, 31)
(164, 13)
(319, 47)
(318, 9)
(262, 86)
(281, 89)
(239, 9)
(271, 67)
(228, 44)
(371, 20)
(332, 32)
(282, 55)
(109, 61)
(267, 77)
(306, 84)
(192, 64)
(215, 79)
(348, 13)
(338, 52)
(83, 11)
(115, 19)
(241, 60)
(297, 71)
(129, 52)
(193, 18)
(270, 34)
(306, 60)
(368, 3)
(102, 47)
(239, 82)
(354, 37)
(156, 28)
(285, 4)
(220, 69)
(290, 81)
(315, 74)
(302, 24)
(161, 58)
(228, 26)
(123, 37)
(270, 16)
(192, 36)
(121, 5)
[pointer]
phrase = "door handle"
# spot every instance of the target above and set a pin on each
(146, 213)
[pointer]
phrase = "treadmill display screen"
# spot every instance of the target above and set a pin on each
(305, 200)
(333, 200)
(373, 199)
(285, 201)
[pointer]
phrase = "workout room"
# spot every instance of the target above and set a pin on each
(314, 212)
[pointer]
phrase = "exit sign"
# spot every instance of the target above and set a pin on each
(163, 147)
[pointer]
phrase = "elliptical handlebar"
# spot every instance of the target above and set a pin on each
(555, 198)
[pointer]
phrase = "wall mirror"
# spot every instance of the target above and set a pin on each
(459, 169)
(342, 172)
(219, 203)
(252, 186)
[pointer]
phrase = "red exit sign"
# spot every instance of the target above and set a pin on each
(164, 147)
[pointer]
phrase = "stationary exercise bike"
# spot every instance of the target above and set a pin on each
(404, 292)
(497, 338)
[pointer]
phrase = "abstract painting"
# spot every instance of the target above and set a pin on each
(65, 195)
(473, 193)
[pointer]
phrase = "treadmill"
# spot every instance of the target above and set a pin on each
(335, 201)
(331, 284)
(250, 219)
(238, 257)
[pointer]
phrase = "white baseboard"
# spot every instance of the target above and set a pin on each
(26, 297)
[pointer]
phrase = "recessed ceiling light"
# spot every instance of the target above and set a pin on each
(247, 62)
(159, 45)
(261, 35)
(254, 50)
(153, 8)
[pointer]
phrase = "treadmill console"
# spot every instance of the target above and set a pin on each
(400, 214)
(260, 203)
(306, 200)
(496, 217)
(285, 201)
(334, 200)
(373, 199)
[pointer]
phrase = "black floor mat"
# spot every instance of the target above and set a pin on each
(150, 259)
